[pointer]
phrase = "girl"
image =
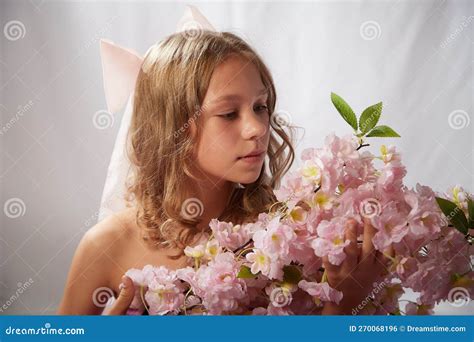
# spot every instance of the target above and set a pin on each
(200, 137)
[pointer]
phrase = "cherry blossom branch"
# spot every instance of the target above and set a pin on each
(362, 145)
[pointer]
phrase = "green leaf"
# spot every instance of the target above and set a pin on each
(454, 214)
(470, 211)
(291, 274)
(245, 272)
(345, 110)
(369, 117)
(383, 132)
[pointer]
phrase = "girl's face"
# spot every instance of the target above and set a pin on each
(235, 123)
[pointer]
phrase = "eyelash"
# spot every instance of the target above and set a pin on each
(230, 116)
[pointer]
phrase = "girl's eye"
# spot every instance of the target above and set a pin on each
(233, 115)
(261, 108)
(229, 116)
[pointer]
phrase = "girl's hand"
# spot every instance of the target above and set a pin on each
(124, 299)
(358, 272)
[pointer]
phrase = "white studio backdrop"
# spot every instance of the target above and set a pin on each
(415, 56)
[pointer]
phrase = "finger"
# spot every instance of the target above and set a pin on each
(330, 268)
(368, 249)
(125, 297)
(352, 250)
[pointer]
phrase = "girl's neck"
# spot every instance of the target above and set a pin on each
(214, 197)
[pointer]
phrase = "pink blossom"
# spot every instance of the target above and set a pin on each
(359, 203)
(300, 249)
(165, 291)
(146, 277)
(217, 284)
(275, 240)
(293, 190)
(424, 217)
(331, 240)
(390, 154)
(344, 148)
(391, 227)
(332, 184)
(322, 169)
(359, 171)
(137, 307)
(269, 266)
(391, 177)
(458, 195)
(229, 235)
(405, 266)
(273, 310)
(164, 298)
(191, 277)
(321, 292)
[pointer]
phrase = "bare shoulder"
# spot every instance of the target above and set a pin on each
(93, 262)
(109, 234)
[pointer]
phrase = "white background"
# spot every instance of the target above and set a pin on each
(416, 57)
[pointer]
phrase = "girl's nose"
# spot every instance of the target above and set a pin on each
(255, 125)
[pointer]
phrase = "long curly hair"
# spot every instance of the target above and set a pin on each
(168, 98)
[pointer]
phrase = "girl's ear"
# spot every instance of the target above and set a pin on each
(193, 129)
(120, 67)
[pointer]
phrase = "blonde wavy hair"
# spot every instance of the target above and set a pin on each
(169, 93)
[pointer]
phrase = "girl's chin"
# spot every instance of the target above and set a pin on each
(247, 180)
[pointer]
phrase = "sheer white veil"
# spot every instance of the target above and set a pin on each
(120, 68)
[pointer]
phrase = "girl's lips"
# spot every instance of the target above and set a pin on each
(253, 159)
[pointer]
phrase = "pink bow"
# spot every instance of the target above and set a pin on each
(120, 66)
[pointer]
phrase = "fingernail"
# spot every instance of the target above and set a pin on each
(121, 286)
(124, 281)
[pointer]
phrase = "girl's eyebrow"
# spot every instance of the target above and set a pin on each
(237, 97)
(263, 91)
